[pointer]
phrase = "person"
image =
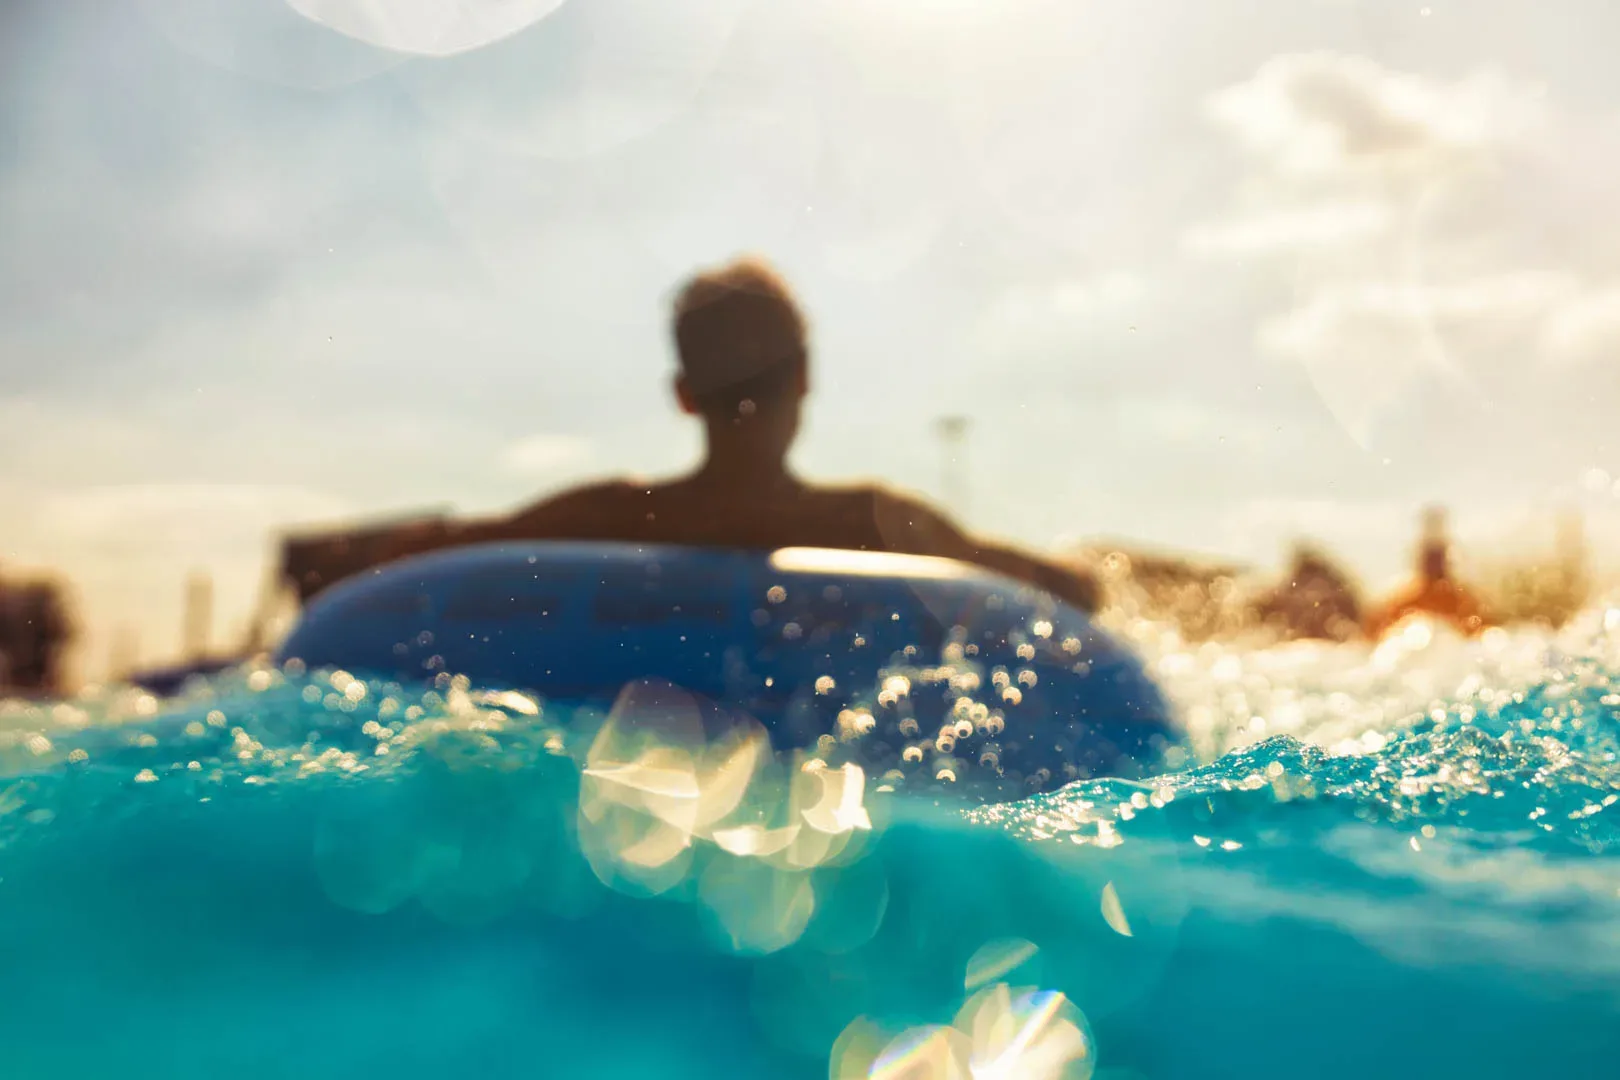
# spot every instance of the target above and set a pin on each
(1316, 600)
(744, 372)
(1435, 593)
(36, 630)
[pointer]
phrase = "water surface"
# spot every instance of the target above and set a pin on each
(1399, 861)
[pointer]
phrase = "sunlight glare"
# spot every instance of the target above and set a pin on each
(426, 27)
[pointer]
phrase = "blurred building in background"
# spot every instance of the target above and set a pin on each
(1198, 595)
(309, 561)
(1202, 598)
(1546, 584)
(198, 622)
(306, 562)
(36, 630)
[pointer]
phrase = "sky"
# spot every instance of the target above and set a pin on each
(1205, 275)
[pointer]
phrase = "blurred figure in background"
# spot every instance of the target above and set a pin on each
(744, 373)
(1315, 601)
(1435, 593)
(35, 632)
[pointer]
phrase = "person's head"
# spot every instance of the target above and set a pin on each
(741, 342)
(1308, 558)
(1434, 551)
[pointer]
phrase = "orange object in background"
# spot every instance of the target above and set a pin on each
(1435, 593)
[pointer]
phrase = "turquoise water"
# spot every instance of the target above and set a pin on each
(1394, 862)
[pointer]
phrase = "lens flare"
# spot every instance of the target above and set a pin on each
(924, 1053)
(759, 908)
(994, 961)
(426, 27)
(1113, 912)
(1025, 1035)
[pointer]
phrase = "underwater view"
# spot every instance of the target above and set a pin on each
(1399, 859)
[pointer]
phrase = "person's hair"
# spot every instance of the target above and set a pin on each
(740, 318)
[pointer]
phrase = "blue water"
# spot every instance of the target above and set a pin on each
(1397, 862)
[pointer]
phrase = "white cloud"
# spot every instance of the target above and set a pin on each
(265, 40)
(164, 517)
(1315, 114)
(1063, 310)
(1366, 343)
(595, 76)
(128, 549)
(544, 454)
(1396, 206)
(108, 244)
(1586, 328)
(1294, 227)
(1164, 419)
(426, 27)
(1105, 292)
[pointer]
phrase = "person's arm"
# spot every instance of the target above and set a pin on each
(912, 527)
(1073, 585)
(434, 536)
(582, 514)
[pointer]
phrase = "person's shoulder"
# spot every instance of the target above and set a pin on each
(841, 492)
(897, 504)
(882, 500)
(584, 497)
(616, 488)
(907, 522)
(873, 491)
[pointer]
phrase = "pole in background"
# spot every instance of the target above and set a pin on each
(953, 432)
(1574, 557)
(199, 617)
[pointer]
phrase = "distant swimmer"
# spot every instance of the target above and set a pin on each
(1315, 601)
(36, 629)
(744, 372)
(1435, 593)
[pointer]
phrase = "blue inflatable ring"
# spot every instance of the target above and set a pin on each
(927, 666)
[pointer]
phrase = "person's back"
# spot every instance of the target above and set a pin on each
(684, 512)
(1434, 592)
(744, 372)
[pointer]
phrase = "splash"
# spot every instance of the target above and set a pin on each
(1434, 818)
